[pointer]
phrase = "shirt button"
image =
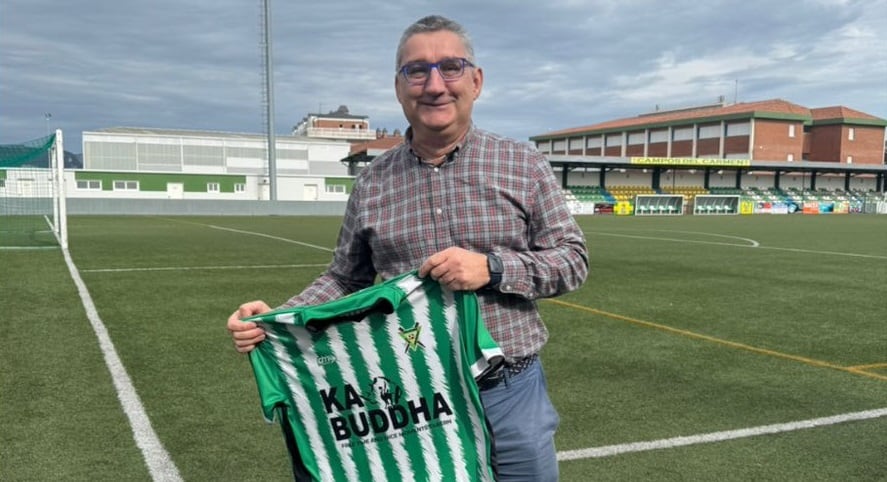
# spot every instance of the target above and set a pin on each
(436, 169)
(438, 210)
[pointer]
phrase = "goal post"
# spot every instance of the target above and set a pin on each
(33, 212)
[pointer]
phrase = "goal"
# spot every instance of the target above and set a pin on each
(32, 194)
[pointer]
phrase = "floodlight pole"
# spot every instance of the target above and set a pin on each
(269, 99)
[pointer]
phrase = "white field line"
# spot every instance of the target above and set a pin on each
(752, 244)
(611, 450)
(193, 268)
(159, 463)
(286, 240)
(198, 268)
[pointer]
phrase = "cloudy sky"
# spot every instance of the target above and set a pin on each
(548, 65)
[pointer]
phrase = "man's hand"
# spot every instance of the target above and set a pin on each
(457, 269)
(247, 335)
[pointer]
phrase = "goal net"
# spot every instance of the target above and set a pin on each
(32, 201)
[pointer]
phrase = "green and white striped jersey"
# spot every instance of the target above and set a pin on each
(380, 384)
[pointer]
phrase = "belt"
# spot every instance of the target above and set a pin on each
(506, 371)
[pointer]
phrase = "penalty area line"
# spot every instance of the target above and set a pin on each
(278, 238)
(198, 268)
(611, 450)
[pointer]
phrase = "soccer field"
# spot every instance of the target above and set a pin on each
(701, 348)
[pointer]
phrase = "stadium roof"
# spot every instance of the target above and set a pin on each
(767, 109)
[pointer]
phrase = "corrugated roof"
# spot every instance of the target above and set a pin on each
(151, 131)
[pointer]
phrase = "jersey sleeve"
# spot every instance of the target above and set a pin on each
(483, 353)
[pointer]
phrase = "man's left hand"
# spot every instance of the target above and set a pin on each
(457, 269)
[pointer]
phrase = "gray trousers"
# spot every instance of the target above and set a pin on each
(523, 421)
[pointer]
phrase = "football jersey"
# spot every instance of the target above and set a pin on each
(380, 384)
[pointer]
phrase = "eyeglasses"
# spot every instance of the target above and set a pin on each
(417, 73)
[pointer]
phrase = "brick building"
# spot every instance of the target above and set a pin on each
(337, 124)
(772, 130)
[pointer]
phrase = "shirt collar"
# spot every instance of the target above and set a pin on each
(451, 156)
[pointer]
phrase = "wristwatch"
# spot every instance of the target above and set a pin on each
(494, 265)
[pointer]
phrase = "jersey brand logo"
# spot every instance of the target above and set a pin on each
(326, 359)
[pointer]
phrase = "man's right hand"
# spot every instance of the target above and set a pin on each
(247, 335)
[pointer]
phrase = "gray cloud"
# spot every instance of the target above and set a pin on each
(548, 65)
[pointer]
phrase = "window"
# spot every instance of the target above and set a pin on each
(159, 157)
(335, 188)
(635, 138)
(791, 130)
(203, 155)
(682, 134)
(594, 142)
(239, 187)
(851, 134)
(89, 185)
(110, 155)
(849, 159)
(126, 185)
(709, 131)
(212, 187)
(614, 140)
(659, 136)
(790, 158)
(735, 129)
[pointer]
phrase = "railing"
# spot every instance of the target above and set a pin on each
(331, 133)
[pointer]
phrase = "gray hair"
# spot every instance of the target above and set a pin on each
(435, 23)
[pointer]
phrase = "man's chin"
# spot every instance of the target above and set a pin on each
(437, 122)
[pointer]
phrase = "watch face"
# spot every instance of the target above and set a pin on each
(494, 264)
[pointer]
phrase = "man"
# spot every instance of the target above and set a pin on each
(474, 211)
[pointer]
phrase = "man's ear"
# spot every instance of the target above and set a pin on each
(478, 81)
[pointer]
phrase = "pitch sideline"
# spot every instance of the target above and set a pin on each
(157, 459)
(611, 450)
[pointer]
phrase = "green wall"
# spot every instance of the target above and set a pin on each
(157, 182)
(348, 182)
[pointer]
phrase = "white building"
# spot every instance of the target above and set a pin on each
(145, 163)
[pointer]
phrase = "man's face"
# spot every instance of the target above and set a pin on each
(437, 106)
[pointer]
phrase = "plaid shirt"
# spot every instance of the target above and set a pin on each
(491, 195)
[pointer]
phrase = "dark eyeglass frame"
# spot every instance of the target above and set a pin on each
(424, 69)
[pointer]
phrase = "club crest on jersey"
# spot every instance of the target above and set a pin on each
(411, 337)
